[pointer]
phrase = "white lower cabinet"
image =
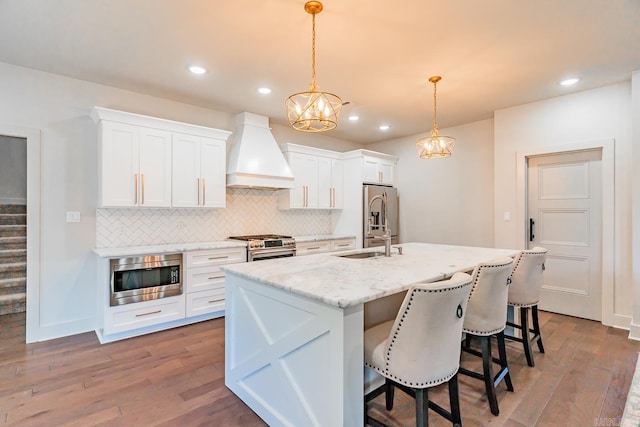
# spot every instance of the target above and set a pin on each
(147, 313)
(205, 280)
(323, 246)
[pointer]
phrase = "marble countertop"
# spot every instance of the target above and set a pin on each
(168, 248)
(321, 237)
(343, 282)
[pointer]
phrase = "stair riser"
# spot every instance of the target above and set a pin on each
(13, 219)
(13, 244)
(13, 273)
(13, 288)
(15, 306)
(13, 231)
(13, 209)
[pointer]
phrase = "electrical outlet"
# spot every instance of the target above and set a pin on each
(73, 216)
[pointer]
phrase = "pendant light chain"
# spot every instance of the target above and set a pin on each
(313, 52)
(435, 109)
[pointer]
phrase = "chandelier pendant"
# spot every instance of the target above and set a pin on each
(313, 111)
(435, 146)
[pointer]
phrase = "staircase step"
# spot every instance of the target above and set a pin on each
(7, 243)
(13, 209)
(13, 271)
(13, 286)
(16, 303)
(13, 219)
(13, 230)
(11, 256)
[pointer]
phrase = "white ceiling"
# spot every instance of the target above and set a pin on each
(377, 55)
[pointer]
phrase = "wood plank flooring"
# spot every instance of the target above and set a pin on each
(176, 378)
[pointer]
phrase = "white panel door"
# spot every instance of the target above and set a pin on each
(185, 173)
(565, 204)
(119, 166)
(155, 168)
(213, 169)
(305, 170)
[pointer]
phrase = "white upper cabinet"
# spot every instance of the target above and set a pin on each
(318, 178)
(198, 172)
(377, 170)
(151, 162)
(135, 166)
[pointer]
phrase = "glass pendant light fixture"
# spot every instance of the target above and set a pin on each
(435, 146)
(313, 111)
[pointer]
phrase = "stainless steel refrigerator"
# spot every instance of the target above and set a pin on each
(376, 217)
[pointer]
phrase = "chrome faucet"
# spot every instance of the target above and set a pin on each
(384, 225)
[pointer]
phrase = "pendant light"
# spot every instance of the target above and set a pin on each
(435, 146)
(313, 111)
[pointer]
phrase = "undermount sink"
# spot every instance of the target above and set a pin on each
(360, 255)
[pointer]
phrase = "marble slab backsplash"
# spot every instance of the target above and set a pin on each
(247, 212)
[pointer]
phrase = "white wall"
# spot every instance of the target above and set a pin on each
(585, 116)
(13, 170)
(635, 102)
(447, 200)
(58, 107)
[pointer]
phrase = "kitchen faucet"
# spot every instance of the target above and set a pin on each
(386, 236)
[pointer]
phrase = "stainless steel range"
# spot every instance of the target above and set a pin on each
(268, 246)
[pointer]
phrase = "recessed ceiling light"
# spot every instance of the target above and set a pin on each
(569, 82)
(354, 118)
(384, 127)
(196, 69)
(264, 90)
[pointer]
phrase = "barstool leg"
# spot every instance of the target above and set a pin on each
(389, 391)
(526, 336)
(536, 327)
(502, 352)
(454, 401)
(422, 408)
(487, 360)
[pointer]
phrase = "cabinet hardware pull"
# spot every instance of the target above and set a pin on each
(531, 224)
(135, 186)
(204, 192)
(216, 300)
(142, 180)
(219, 257)
(315, 248)
(344, 244)
(148, 313)
(198, 189)
(217, 277)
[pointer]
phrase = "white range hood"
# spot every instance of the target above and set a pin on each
(255, 159)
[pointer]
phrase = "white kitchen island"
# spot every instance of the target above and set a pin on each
(294, 327)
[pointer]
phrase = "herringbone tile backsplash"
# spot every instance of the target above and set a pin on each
(247, 212)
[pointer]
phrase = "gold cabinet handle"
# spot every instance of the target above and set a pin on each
(344, 244)
(204, 192)
(314, 248)
(135, 187)
(219, 257)
(148, 313)
(216, 300)
(198, 189)
(217, 277)
(142, 180)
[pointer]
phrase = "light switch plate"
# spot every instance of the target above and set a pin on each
(73, 216)
(507, 216)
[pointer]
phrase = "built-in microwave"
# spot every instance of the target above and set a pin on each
(144, 278)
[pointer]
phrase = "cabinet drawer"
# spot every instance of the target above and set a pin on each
(205, 302)
(343, 244)
(148, 313)
(308, 248)
(204, 278)
(215, 257)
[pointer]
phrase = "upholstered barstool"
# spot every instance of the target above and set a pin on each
(487, 316)
(421, 347)
(524, 292)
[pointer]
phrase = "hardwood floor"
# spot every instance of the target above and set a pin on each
(176, 378)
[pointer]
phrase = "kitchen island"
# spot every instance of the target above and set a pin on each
(294, 327)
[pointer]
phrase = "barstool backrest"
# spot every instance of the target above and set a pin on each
(423, 347)
(526, 279)
(487, 309)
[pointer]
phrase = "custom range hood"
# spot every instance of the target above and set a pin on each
(255, 160)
